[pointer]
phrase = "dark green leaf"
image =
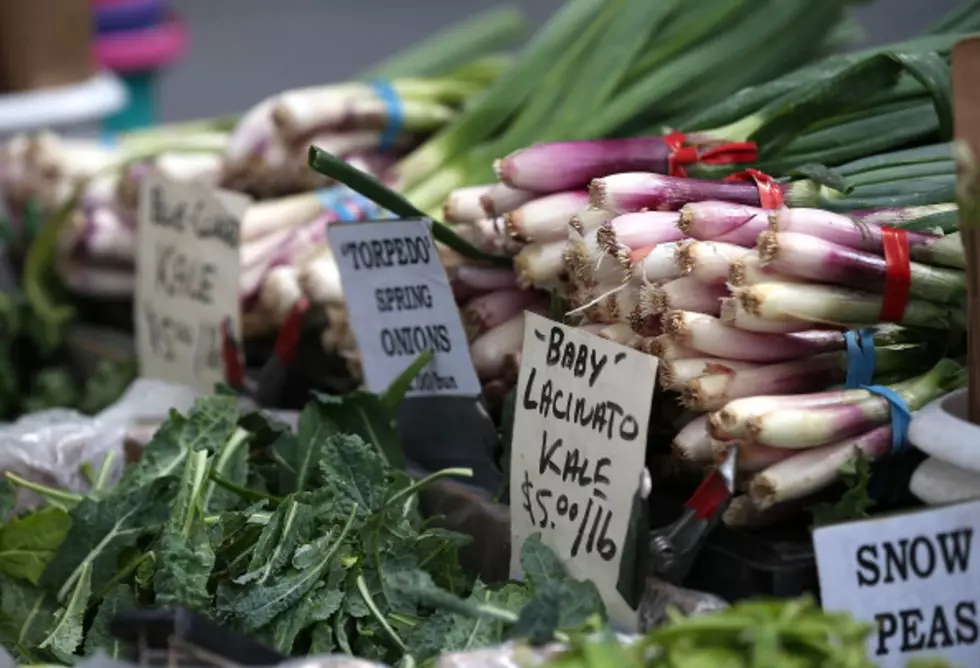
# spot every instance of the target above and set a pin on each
(932, 71)
(27, 544)
(99, 532)
(257, 605)
(365, 415)
(540, 563)
(355, 472)
(580, 602)
(184, 566)
(539, 619)
(8, 498)
(855, 502)
(321, 639)
(290, 526)
(374, 190)
(66, 635)
(790, 115)
(302, 453)
(822, 176)
(118, 600)
(26, 614)
(208, 426)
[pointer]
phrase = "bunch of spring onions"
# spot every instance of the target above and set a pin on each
(600, 69)
(262, 154)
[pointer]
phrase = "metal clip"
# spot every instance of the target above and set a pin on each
(674, 547)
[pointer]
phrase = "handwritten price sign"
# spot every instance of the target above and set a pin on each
(590, 525)
(187, 280)
(579, 447)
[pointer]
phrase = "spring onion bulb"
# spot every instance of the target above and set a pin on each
(490, 310)
(624, 233)
(666, 348)
(711, 392)
(820, 260)
(489, 352)
(693, 443)
(463, 204)
(797, 428)
(728, 222)
(469, 279)
(280, 291)
(490, 235)
(586, 263)
(708, 335)
(686, 293)
(708, 261)
(588, 219)
(640, 191)
(675, 374)
(618, 333)
(320, 278)
(541, 265)
(545, 218)
(500, 199)
(573, 164)
(735, 419)
(752, 457)
(811, 470)
(655, 263)
(828, 305)
(733, 314)
(750, 269)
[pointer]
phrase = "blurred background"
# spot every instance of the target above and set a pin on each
(241, 51)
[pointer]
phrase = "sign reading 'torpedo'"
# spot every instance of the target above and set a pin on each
(579, 449)
(187, 269)
(400, 305)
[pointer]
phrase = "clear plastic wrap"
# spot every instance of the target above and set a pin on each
(50, 447)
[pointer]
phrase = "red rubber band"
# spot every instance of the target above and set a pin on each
(898, 274)
(231, 357)
(290, 332)
(682, 155)
(770, 194)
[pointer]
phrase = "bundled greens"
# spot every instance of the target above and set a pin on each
(310, 542)
(756, 633)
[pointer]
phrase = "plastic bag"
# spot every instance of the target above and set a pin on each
(50, 447)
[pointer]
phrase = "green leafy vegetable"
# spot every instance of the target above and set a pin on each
(333, 557)
(855, 502)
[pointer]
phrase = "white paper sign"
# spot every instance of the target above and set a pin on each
(915, 576)
(579, 448)
(187, 269)
(400, 304)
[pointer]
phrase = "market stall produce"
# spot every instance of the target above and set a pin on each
(780, 228)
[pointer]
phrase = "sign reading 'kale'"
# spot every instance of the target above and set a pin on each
(913, 576)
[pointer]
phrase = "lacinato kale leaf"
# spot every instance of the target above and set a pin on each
(334, 555)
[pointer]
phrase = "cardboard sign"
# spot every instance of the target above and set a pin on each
(400, 304)
(187, 269)
(915, 576)
(579, 446)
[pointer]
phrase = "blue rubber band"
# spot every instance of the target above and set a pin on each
(900, 415)
(860, 357)
(108, 140)
(348, 205)
(395, 112)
